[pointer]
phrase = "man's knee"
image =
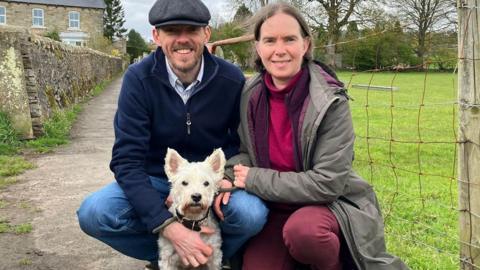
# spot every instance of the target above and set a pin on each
(100, 215)
(245, 213)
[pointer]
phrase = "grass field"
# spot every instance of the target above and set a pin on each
(407, 151)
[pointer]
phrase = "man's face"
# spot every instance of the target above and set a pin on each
(182, 45)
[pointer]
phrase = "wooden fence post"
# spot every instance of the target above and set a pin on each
(469, 132)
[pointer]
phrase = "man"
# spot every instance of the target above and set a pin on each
(180, 97)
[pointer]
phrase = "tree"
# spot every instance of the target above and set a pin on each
(113, 19)
(424, 17)
(136, 45)
(239, 53)
(389, 49)
(251, 4)
(337, 14)
(242, 14)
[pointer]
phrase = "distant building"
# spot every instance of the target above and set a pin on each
(75, 20)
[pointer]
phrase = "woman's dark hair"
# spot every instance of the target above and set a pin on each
(272, 9)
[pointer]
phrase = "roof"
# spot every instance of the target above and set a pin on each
(68, 3)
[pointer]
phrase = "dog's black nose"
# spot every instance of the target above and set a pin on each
(196, 197)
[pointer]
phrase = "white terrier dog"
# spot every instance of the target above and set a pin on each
(193, 189)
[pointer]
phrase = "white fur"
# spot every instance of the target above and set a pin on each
(201, 178)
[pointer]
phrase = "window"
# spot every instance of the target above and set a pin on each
(3, 15)
(74, 19)
(37, 17)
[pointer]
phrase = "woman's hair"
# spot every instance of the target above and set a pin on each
(269, 11)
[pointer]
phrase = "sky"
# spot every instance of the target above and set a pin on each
(136, 14)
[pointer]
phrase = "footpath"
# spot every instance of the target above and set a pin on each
(48, 196)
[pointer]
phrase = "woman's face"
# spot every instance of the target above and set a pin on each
(281, 47)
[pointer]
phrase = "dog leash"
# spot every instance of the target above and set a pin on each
(223, 190)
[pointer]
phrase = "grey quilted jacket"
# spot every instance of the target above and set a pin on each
(327, 140)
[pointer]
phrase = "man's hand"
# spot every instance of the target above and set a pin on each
(188, 244)
(222, 198)
(240, 173)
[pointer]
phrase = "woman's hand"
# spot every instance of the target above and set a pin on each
(240, 172)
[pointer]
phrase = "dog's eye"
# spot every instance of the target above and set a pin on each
(185, 183)
(206, 183)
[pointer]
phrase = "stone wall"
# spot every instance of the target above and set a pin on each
(39, 76)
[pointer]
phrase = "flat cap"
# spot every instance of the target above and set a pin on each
(168, 12)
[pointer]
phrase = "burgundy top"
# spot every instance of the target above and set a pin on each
(280, 132)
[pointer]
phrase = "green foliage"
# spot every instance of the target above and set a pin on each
(113, 19)
(421, 220)
(8, 138)
(100, 43)
(242, 14)
(239, 53)
(98, 89)
(7, 133)
(57, 130)
(443, 54)
(378, 51)
(136, 45)
(53, 35)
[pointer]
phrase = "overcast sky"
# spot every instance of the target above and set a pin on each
(136, 14)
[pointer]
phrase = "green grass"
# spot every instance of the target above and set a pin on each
(6, 227)
(22, 228)
(25, 262)
(57, 130)
(407, 152)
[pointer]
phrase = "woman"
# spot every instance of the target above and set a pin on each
(296, 154)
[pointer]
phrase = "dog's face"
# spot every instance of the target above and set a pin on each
(194, 184)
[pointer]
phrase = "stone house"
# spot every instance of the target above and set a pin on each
(75, 20)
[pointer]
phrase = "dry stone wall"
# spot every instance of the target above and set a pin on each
(39, 76)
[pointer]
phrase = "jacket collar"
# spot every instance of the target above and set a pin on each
(317, 81)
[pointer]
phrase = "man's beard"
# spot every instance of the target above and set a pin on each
(185, 68)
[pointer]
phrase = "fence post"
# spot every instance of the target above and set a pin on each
(469, 132)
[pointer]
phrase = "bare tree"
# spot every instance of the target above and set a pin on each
(424, 17)
(334, 14)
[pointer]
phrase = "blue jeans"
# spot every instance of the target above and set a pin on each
(108, 216)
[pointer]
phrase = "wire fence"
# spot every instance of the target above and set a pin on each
(406, 121)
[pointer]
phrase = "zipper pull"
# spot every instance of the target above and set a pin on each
(189, 123)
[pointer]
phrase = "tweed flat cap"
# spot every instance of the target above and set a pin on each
(168, 12)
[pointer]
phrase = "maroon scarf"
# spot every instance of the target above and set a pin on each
(258, 114)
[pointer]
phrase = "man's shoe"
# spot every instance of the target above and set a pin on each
(152, 266)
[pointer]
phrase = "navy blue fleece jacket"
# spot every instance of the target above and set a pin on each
(151, 116)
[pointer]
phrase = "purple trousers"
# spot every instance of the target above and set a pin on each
(308, 235)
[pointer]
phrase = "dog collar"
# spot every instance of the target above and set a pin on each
(193, 225)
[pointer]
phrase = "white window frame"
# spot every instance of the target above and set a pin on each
(42, 18)
(4, 15)
(70, 20)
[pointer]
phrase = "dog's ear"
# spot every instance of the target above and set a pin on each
(173, 161)
(217, 161)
